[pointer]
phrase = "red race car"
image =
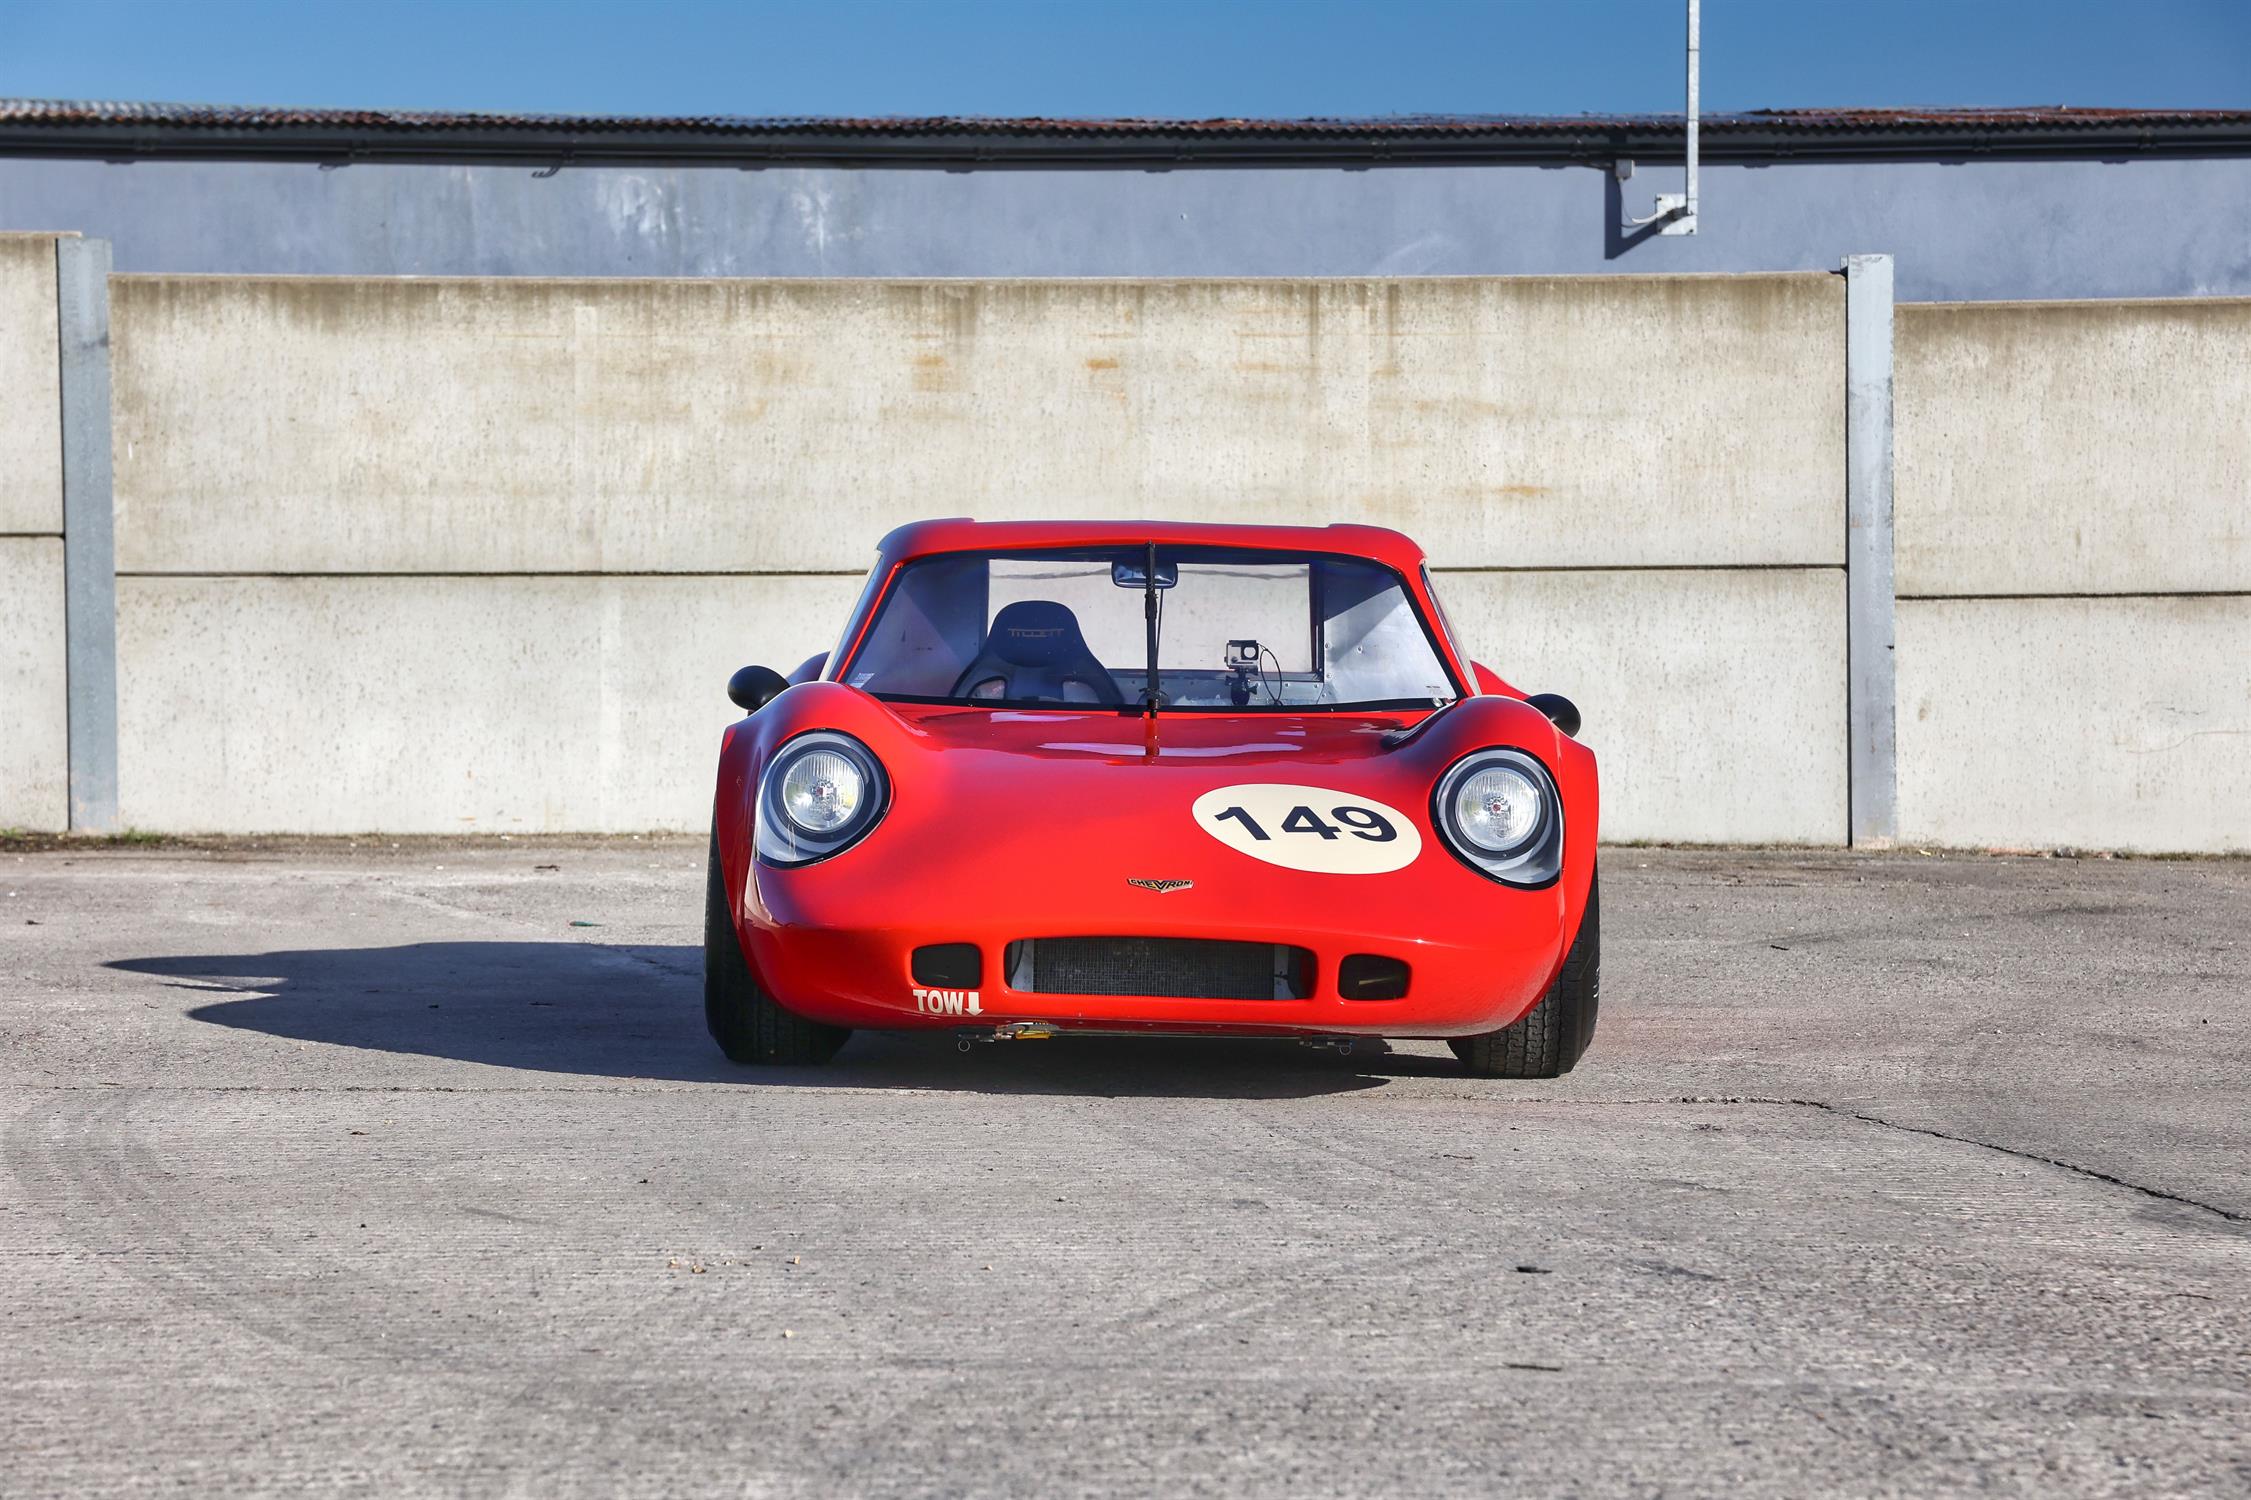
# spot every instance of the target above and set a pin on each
(1138, 777)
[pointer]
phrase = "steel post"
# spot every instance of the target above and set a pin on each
(89, 558)
(1871, 692)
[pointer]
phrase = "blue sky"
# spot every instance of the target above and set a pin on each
(1114, 57)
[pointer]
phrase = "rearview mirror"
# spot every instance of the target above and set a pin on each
(753, 688)
(1135, 575)
(1561, 710)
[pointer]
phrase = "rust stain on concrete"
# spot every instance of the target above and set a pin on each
(931, 373)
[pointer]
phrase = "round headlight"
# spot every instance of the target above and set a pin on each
(822, 791)
(1498, 808)
(819, 795)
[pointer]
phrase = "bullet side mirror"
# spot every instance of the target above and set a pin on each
(753, 688)
(1559, 709)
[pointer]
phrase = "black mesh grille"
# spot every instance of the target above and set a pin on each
(1177, 968)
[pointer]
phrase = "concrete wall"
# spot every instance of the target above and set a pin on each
(2073, 502)
(2074, 448)
(479, 555)
(1965, 229)
(410, 703)
(508, 426)
(34, 769)
(374, 537)
(2100, 723)
(1715, 698)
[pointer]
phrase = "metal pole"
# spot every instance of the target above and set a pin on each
(89, 558)
(1695, 31)
(1871, 693)
(1676, 212)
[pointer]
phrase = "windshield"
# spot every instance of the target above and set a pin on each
(1236, 631)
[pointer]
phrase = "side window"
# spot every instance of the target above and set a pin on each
(853, 621)
(926, 631)
(1373, 643)
(1446, 623)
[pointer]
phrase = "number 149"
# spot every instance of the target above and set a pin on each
(1360, 822)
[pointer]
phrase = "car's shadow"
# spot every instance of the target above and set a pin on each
(637, 1012)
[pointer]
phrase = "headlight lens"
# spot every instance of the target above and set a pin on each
(1498, 811)
(821, 791)
(820, 794)
(1498, 808)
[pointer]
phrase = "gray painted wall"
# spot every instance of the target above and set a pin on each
(1981, 230)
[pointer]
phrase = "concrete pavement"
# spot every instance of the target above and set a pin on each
(364, 1169)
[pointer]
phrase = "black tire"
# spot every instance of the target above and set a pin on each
(1550, 1037)
(749, 1025)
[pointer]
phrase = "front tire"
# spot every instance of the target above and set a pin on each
(1550, 1037)
(749, 1025)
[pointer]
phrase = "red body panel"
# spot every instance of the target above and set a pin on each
(1028, 823)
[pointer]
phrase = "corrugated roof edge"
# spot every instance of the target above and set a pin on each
(136, 130)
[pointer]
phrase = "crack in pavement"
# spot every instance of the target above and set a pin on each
(1965, 1140)
(2034, 1156)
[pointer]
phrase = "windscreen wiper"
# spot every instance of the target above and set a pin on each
(1149, 618)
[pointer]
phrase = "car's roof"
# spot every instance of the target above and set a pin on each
(961, 534)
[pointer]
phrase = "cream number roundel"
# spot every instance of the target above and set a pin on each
(1309, 828)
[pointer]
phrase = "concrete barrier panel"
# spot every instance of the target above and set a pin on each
(31, 454)
(310, 426)
(2074, 447)
(442, 705)
(34, 740)
(2099, 723)
(1715, 701)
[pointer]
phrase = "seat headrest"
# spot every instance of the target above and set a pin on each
(1036, 633)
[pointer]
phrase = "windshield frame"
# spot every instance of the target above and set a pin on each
(875, 598)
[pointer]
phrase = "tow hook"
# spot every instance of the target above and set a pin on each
(1341, 1045)
(1012, 1031)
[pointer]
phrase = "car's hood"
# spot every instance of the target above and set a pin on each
(1058, 809)
(1233, 741)
(1015, 754)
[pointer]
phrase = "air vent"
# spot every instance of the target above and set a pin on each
(951, 966)
(1371, 976)
(1175, 968)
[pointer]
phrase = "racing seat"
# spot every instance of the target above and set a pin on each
(1035, 652)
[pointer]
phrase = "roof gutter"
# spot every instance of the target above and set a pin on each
(1156, 150)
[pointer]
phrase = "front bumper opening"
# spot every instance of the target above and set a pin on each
(1173, 968)
(955, 966)
(1372, 976)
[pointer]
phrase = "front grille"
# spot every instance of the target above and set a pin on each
(1176, 968)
